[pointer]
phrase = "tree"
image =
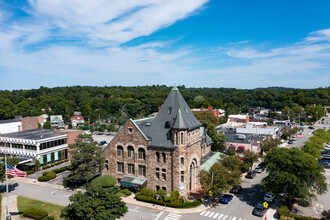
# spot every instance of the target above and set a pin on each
(269, 143)
(47, 125)
(7, 109)
(294, 173)
(250, 157)
(37, 165)
(87, 161)
(218, 140)
(206, 118)
(223, 175)
(96, 203)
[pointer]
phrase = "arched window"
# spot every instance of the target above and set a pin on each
(164, 157)
(120, 151)
(130, 152)
(181, 137)
(157, 155)
(142, 154)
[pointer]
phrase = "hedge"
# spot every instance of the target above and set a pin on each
(35, 213)
(174, 204)
(46, 176)
(284, 212)
(54, 164)
(105, 181)
(30, 172)
(59, 170)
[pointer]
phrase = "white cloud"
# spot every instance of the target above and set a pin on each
(117, 20)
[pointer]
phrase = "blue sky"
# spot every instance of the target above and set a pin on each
(196, 43)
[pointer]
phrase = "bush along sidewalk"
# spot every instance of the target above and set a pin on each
(285, 213)
(54, 164)
(161, 198)
(37, 214)
(46, 176)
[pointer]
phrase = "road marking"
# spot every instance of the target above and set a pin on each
(172, 216)
(234, 218)
(159, 215)
(133, 210)
(211, 214)
(220, 216)
(53, 192)
(216, 215)
(224, 217)
(318, 208)
(202, 213)
(207, 213)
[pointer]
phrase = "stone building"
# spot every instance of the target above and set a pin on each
(162, 152)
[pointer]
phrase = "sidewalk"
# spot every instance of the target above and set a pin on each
(132, 201)
(12, 206)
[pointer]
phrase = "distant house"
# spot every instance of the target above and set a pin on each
(57, 121)
(77, 121)
(216, 112)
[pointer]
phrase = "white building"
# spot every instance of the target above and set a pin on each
(38, 144)
(57, 121)
(9, 126)
(77, 121)
(274, 131)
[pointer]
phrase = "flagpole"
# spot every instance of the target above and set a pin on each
(8, 214)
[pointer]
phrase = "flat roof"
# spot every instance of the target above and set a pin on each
(34, 134)
(8, 121)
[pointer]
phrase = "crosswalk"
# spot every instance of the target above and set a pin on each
(172, 216)
(219, 216)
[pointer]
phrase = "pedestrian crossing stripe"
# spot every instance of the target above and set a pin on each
(218, 216)
(172, 216)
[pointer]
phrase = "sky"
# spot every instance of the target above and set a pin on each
(197, 43)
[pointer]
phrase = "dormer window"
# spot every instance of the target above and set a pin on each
(130, 130)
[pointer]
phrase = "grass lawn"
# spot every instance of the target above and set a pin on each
(52, 209)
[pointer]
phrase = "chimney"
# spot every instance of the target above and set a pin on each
(210, 108)
(159, 108)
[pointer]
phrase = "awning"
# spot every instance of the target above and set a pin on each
(132, 181)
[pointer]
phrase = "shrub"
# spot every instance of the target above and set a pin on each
(35, 213)
(167, 199)
(174, 204)
(147, 192)
(59, 170)
(30, 172)
(126, 192)
(175, 195)
(46, 176)
(51, 217)
(161, 193)
(105, 181)
(284, 212)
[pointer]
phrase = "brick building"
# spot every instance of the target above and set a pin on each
(164, 151)
(216, 112)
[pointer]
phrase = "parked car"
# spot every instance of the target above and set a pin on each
(325, 156)
(325, 151)
(258, 169)
(294, 138)
(269, 197)
(325, 163)
(102, 143)
(250, 174)
(290, 141)
(259, 210)
(226, 198)
(236, 189)
(311, 127)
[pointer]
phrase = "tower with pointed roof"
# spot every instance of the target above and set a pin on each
(166, 150)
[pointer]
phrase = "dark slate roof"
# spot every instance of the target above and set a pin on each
(8, 121)
(174, 114)
(35, 134)
(231, 136)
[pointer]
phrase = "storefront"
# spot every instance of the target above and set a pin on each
(133, 183)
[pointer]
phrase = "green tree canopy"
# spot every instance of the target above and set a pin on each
(87, 161)
(269, 143)
(96, 203)
(295, 173)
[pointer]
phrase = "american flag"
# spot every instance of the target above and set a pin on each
(13, 171)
